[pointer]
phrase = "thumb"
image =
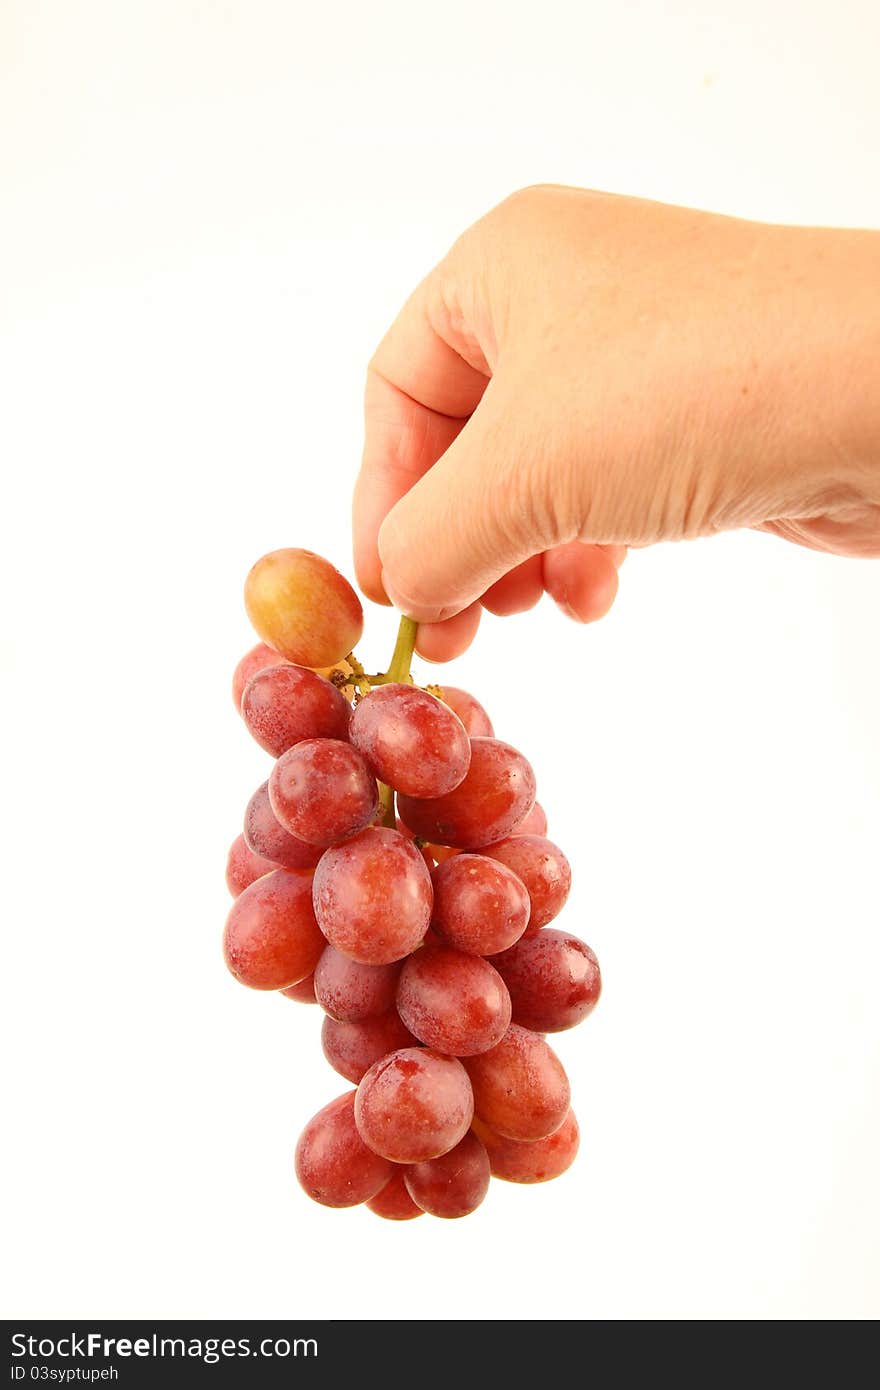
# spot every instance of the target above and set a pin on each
(469, 520)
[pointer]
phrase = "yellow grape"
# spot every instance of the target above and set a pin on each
(303, 607)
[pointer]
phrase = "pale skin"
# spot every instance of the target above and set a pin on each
(583, 373)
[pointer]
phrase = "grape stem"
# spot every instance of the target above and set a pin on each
(398, 671)
(403, 652)
(386, 801)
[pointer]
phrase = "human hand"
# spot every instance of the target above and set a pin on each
(585, 372)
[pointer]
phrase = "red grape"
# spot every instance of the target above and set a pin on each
(333, 1164)
(535, 823)
(469, 710)
(257, 659)
(498, 791)
(394, 1202)
(411, 740)
(455, 1003)
(440, 853)
(414, 1105)
(352, 1048)
(479, 905)
(266, 837)
(271, 939)
(322, 791)
(544, 870)
(373, 896)
(538, 1161)
(553, 979)
(453, 1184)
(424, 850)
(243, 866)
(350, 991)
(283, 705)
(520, 1087)
(303, 607)
(303, 993)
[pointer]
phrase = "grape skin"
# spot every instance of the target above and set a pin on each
(243, 867)
(479, 905)
(455, 1003)
(553, 978)
(352, 1048)
(303, 607)
(333, 1164)
(394, 1202)
(373, 896)
(469, 710)
(414, 1105)
(283, 705)
(322, 790)
(454, 1184)
(426, 851)
(535, 823)
(266, 837)
(520, 1087)
(439, 853)
(544, 870)
(259, 658)
(271, 939)
(411, 740)
(498, 791)
(350, 991)
(303, 993)
(539, 1161)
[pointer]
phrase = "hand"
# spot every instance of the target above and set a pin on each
(586, 372)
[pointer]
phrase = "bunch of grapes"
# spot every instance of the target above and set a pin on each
(394, 868)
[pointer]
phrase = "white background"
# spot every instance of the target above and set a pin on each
(209, 214)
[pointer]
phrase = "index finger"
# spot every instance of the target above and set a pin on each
(421, 390)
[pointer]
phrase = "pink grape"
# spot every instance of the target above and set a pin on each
(411, 740)
(394, 1202)
(333, 1164)
(304, 992)
(350, 991)
(498, 791)
(553, 978)
(283, 705)
(520, 1087)
(271, 939)
(257, 659)
(243, 867)
(455, 1003)
(455, 1183)
(265, 836)
(373, 896)
(469, 710)
(479, 905)
(303, 607)
(322, 790)
(535, 823)
(544, 870)
(414, 1105)
(352, 1048)
(539, 1161)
